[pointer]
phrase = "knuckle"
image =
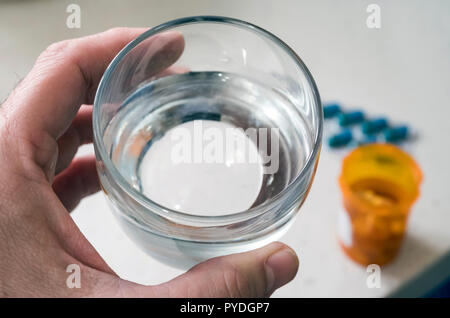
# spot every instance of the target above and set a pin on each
(116, 30)
(27, 151)
(57, 49)
(58, 53)
(9, 130)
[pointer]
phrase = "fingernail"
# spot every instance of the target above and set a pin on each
(281, 267)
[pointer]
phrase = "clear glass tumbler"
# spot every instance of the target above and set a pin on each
(215, 69)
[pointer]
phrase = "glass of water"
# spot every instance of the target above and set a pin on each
(207, 132)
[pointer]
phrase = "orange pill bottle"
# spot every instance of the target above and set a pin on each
(379, 184)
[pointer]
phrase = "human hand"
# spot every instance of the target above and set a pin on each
(42, 124)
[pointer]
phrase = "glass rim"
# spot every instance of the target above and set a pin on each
(166, 212)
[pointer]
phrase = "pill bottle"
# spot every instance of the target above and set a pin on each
(379, 184)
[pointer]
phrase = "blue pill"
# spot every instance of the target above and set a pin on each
(374, 126)
(396, 134)
(351, 118)
(331, 110)
(340, 139)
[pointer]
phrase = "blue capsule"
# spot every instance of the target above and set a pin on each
(351, 118)
(396, 134)
(374, 126)
(340, 139)
(331, 110)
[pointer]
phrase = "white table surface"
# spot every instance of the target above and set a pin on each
(401, 70)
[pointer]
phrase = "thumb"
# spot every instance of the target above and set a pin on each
(257, 273)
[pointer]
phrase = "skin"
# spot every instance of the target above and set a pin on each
(42, 124)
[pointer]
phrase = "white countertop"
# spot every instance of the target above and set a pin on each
(401, 70)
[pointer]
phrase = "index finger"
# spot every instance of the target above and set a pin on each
(67, 74)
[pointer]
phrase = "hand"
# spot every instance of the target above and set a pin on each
(42, 124)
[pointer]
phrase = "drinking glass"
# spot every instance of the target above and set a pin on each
(216, 69)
